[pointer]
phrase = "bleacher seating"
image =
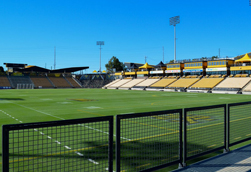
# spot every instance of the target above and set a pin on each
(207, 83)
(231, 85)
(73, 82)
(60, 82)
(110, 83)
(118, 84)
(147, 82)
(41, 81)
(183, 83)
(15, 80)
(247, 89)
(4, 82)
(131, 83)
(164, 82)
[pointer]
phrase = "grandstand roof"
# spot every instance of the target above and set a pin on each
(15, 65)
(68, 70)
(161, 64)
(146, 66)
(31, 68)
(246, 58)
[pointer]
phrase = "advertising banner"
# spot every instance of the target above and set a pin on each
(216, 69)
(153, 72)
(193, 70)
(172, 71)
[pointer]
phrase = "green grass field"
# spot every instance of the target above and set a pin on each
(57, 104)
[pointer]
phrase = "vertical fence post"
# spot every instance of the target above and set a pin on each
(226, 128)
(180, 141)
(5, 149)
(185, 137)
(117, 144)
(111, 144)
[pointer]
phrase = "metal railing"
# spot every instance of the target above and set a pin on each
(68, 145)
(144, 141)
(148, 141)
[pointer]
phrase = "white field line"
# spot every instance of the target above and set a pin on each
(64, 119)
(79, 124)
(49, 137)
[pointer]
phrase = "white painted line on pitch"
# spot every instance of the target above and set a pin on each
(108, 169)
(57, 142)
(80, 154)
(93, 107)
(45, 99)
(64, 103)
(67, 147)
(224, 98)
(49, 137)
(94, 162)
(64, 119)
(39, 111)
(127, 113)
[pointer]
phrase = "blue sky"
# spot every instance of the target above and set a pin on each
(131, 29)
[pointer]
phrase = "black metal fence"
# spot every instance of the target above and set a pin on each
(144, 141)
(204, 130)
(68, 145)
(239, 121)
(148, 141)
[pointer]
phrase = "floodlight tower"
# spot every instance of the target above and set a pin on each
(173, 21)
(100, 43)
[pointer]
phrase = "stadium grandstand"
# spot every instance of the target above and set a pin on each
(205, 85)
(183, 83)
(21, 76)
(111, 83)
(130, 84)
(146, 83)
(161, 84)
(119, 83)
(207, 75)
(232, 85)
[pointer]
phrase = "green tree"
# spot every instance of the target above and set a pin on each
(214, 57)
(114, 63)
(1, 69)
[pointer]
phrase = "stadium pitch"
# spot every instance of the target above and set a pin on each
(39, 105)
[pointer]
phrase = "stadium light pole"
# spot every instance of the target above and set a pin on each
(100, 43)
(173, 21)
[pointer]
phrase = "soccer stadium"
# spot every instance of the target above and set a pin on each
(146, 118)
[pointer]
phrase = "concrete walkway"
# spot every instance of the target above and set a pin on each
(238, 160)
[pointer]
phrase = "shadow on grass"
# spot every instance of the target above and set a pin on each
(135, 155)
(11, 98)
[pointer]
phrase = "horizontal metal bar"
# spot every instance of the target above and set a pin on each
(240, 141)
(204, 153)
(205, 107)
(56, 123)
(145, 114)
(237, 104)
